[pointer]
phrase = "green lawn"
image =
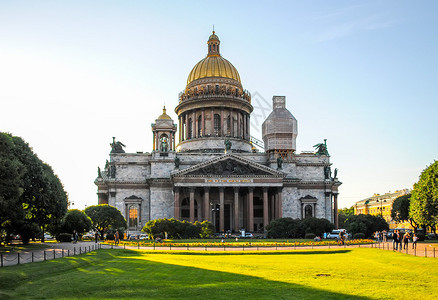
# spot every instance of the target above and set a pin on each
(320, 274)
(21, 247)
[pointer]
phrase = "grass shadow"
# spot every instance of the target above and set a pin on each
(121, 274)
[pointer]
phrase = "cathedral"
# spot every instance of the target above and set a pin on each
(206, 166)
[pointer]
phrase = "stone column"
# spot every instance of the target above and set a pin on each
(194, 125)
(212, 122)
(177, 204)
(238, 134)
(221, 129)
(335, 208)
(221, 209)
(236, 209)
(251, 209)
(276, 205)
(265, 208)
(207, 204)
(192, 205)
(203, 122)
(153, 141)
(179, 129)
(272, 207)
(280, 203)
(186, 131)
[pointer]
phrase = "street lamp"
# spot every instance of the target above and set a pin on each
(381, 204)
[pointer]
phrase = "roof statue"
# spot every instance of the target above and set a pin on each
(321, 148)
(279, 162)
(228, 145)
(117, 147)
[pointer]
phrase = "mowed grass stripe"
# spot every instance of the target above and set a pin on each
(128, 274)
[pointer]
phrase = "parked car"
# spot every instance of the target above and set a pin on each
(335, 234)
(248, 235)
(143, 236)
(48, 236)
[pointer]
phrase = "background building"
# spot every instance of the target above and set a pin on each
(381, 205)
(205, 167)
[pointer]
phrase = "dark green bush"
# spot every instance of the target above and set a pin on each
(176, 229)
(310, 236)
(64, 237)
(358, 236)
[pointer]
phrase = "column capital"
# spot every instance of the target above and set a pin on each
(206, 189)
(236, 189)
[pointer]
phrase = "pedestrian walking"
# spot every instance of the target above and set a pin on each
(116, 238)
(395, 238)
(414, 241)
(75, 236)
(406, 238)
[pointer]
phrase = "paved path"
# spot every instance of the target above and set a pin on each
(58, 250)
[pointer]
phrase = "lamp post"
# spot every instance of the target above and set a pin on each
(381, 204)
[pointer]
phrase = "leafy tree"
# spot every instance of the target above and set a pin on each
(424, 200)
(11, 171)
(104, 217)
(283, 228)
(343, 215)
(205, 229)
(76, 220)
(315, 226)
(41, 196)
(400, 210)
(367, 224)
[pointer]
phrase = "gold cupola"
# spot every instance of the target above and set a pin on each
(214, 66)
(164, 116)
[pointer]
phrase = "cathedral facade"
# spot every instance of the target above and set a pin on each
(205, 166)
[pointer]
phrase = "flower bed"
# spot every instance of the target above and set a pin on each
(219, 244)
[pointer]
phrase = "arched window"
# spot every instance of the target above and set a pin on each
(199, 126)
(133, 216)
(217, 124)
(189, 133)
(308, 211)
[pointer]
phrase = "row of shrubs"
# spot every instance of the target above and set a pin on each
(175, 229)
(285, 228)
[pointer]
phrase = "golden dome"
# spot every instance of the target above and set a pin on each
(214, 65)
(164, 116)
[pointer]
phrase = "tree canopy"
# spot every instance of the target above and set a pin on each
(76, 219)
(400, 210)
(31, 195)
(367, 224)
(104, 217)
(424, 200)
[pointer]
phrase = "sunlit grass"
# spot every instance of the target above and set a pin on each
(319, 274)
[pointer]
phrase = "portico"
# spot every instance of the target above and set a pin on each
(229, 197)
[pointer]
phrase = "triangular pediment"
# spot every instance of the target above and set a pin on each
(229, 165)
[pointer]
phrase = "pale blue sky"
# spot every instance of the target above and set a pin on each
(362, 74)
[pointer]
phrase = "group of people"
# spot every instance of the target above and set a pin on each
(402, 239)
